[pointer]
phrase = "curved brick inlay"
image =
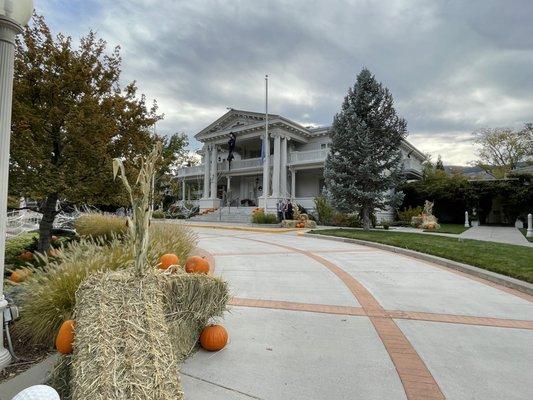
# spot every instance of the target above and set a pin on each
(416, 378)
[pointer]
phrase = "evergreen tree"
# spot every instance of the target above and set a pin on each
(364, 165)
(439, 165)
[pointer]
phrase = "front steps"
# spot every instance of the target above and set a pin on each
(242, 215)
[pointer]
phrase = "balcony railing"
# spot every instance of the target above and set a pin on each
(246, 163)
(191, 171)
(295, 157)
(310, 156)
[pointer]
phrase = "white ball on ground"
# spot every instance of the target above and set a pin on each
(37, 392)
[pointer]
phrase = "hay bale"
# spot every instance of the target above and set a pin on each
(289, 223)
(122, 347)
(310, 224)
(137, 328)
(190, 301)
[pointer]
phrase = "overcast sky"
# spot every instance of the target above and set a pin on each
(452, 66)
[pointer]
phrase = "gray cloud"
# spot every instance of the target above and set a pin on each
(452, 66)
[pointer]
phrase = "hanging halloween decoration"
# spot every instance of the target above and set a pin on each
(231, 146)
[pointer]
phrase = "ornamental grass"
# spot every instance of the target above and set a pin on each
(48, 297)
(100, 226)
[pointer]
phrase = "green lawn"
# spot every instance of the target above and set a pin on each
(506, 259)
(449, 228)
(524, 232)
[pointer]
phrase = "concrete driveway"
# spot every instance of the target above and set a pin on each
(317, 319)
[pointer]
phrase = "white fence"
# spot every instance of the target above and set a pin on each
(19, 222)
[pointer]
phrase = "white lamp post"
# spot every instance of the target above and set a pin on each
(14, 14)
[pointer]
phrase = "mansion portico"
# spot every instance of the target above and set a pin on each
(290, 166)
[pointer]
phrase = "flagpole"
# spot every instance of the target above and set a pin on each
(266, 149)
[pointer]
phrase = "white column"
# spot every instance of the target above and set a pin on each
(228, 184)
(467, 223)
(207, 166)
(283, 177)
(8, 30)
(214, 172)
(276, 166)
(293, 184)
(183, 191)
(529, 232)
(266, 165)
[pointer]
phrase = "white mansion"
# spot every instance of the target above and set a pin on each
(293, 168)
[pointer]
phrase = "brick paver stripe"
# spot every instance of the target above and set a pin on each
(416, 378)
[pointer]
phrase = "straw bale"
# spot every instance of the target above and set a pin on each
(122, 340)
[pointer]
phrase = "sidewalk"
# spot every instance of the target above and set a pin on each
(500, 234)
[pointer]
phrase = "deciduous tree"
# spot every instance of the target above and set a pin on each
(501, 149)
(71, 117)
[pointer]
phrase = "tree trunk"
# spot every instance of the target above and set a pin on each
(48, 210)
(366, 218)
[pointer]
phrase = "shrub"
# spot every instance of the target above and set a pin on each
(416, 221)
(18, 244)
(13, 202)
(323, 209)
(97, 225)
(385, 224)
(409, 213)
(158, 214)
(260, 217)
(346, 220)
(48, 297)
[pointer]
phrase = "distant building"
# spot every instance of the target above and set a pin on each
(294, 165)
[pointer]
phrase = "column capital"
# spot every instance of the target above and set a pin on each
(9, 29)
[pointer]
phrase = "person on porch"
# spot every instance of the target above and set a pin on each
(279, 209)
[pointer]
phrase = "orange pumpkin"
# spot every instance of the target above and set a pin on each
(166, 260)
(20, 275)
(65, 337)
(26, 256)
(214, 337)
(196, 264)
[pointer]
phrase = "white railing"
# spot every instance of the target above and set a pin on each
(221, 167)
(246, 163)
(19, 222)
(22, 221)
(310, 156)
(188, 171)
